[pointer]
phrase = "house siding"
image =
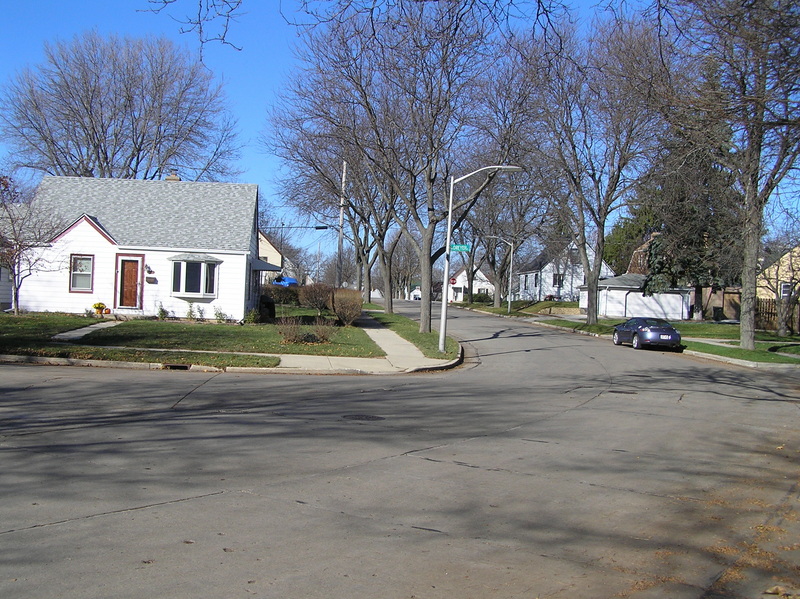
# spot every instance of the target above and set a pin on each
(111, 234)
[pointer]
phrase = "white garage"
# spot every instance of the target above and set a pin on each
(622, 297)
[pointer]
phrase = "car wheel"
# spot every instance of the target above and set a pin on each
(616, 338)
(636, 343)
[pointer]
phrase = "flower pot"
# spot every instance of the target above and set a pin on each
(107, 311)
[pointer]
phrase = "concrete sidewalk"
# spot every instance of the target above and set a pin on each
(401, 355)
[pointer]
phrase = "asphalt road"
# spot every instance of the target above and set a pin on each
(548, 465)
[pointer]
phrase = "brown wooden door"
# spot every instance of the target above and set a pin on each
(129, 284)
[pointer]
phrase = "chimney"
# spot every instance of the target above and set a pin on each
(173, 176)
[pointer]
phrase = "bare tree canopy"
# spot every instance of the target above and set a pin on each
(114, 107)
(213, 20)
(24, 228)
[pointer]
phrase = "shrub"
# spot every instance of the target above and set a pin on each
(253, 316)
(317, 296)
(190, 315)
(323, 330)
(292, 330)
(201, 314)
(482, 298)
(220, 315)
(282, 295)
(347, 305)
(162, 313)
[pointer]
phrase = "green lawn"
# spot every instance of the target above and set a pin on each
(31, 334)
(408, 329)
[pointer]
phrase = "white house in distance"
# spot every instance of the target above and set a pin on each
(557, 273)
(142, 246)
(458, 291)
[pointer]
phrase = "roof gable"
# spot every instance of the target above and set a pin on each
(92, 223)
(169, 214)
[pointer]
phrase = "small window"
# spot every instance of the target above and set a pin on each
(558, 280)
(535, 279)
(196, 279)
(786, 290)
(81, 271)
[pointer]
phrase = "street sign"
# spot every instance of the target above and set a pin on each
(459, 247)
(453, 280)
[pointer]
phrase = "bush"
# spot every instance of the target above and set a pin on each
(253, 316)
(317, 296)
(482, 298)
(282, 295)
(347, 305)
(292, 330)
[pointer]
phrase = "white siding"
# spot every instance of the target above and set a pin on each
(48, 288)
(628, 303)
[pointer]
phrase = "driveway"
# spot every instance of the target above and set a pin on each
(549, 465)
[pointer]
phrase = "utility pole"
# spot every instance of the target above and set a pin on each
(341, 228)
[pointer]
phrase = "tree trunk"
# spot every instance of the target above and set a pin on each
(752, 240)
(426, 282)
(591, 299)
(698, 303)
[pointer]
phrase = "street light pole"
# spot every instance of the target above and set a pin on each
(510, 267)
(448, 234)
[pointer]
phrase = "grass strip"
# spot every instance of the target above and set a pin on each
(726, 351)
(428, 343)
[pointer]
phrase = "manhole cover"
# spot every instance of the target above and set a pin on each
(368, 417)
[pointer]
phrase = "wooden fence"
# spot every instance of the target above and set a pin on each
(767, 315)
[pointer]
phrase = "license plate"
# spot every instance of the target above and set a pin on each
(665, 337)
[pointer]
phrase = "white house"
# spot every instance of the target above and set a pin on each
(557, 272)
(458, 291)
(141, 247)
(622, 297)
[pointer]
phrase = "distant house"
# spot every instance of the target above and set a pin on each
(780, 277)
(144, 247)
(556, 272)
(272, 256)
(459, 290)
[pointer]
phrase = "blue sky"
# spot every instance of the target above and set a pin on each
(252, 76)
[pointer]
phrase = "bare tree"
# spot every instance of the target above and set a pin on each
(595, 128)
(24, 229)
(124, 108)
(752, 51)
(212, 20)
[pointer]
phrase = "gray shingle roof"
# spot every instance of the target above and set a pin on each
(169, 214)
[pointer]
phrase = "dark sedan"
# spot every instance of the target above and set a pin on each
(647, 331)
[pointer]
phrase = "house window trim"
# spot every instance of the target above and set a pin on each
(205, 262)
(558, 279)
(90, 289)
(785, 290)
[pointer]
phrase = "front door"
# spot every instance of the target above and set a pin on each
(129, 283)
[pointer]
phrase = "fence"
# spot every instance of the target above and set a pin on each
(767, 315)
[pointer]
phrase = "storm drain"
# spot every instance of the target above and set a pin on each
(363, 417)
(175, 366)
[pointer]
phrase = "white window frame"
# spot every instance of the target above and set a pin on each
(785, 290)
(72, 273)
(208, 288)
